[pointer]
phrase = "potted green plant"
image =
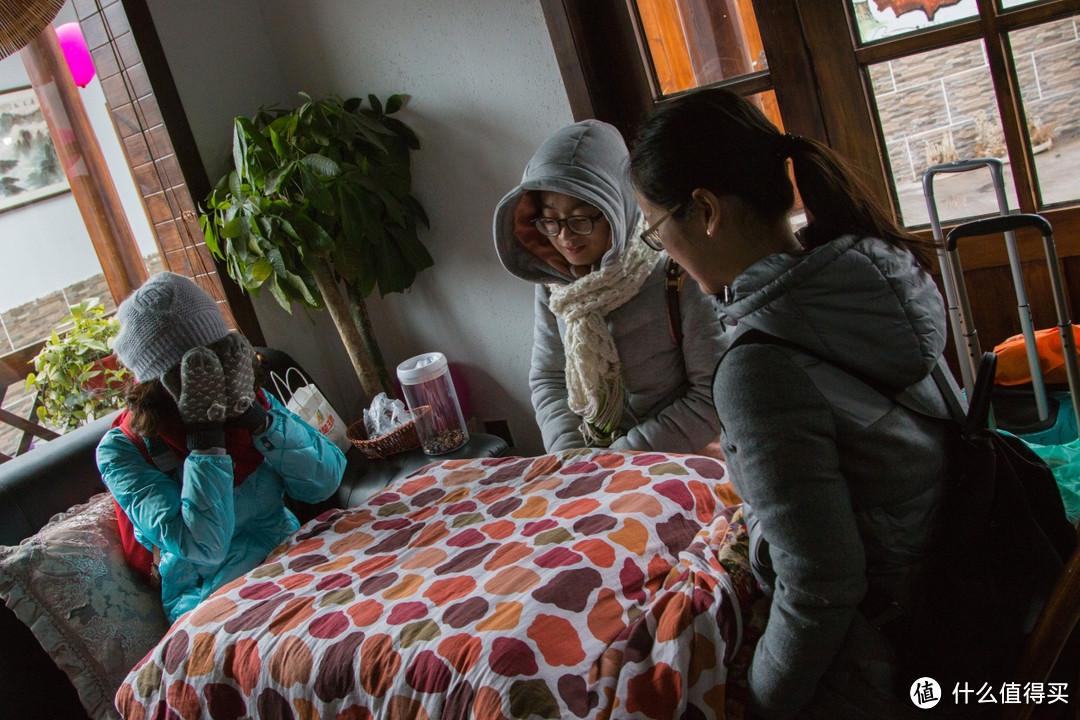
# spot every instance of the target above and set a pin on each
(320, 198)
(75, 375)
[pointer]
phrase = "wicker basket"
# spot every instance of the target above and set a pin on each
(398, 440)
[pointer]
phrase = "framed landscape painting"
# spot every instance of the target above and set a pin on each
(30, 169)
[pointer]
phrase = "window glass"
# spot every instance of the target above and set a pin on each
(936, 107)
(766, 102)
(698, 42)
(1048, 69)
(50, 263)
(1006, 4)
(882, 19)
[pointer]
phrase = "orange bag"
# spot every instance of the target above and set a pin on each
(1012, 365)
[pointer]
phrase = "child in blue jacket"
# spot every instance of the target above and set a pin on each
(201, 459)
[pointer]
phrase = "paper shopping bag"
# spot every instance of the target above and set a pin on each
(307, 401)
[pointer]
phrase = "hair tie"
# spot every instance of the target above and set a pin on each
(787, 145)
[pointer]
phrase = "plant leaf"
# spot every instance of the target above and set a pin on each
(321, 164)
(233, 228)
(278, 177)
(315, 192)
(411, 248)
(239, 147)
(261, 270)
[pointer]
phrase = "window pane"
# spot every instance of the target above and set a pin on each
(697, 42)
(1048, 69)
(1006, 4)
(881, 19)
(936, 107)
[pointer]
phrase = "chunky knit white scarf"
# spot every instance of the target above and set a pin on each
(593, 369)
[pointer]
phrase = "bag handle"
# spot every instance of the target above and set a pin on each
(276, 379)
(673, 281)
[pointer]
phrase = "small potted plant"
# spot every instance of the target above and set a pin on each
(76, 376)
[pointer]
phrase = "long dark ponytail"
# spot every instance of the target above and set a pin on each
(717, 140)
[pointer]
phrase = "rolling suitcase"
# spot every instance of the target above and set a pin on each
(1008, 224)
(1012, 409)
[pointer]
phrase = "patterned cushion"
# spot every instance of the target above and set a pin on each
(69, 583)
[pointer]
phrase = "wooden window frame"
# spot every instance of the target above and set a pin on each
(846, 100)
(817, 72)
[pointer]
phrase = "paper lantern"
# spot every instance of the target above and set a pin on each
(73, 45)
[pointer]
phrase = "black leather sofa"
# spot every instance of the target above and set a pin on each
(50, 479)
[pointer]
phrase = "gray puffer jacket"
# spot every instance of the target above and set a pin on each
(668, 404)
(838, 479)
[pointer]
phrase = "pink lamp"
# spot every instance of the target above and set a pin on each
(73, 45)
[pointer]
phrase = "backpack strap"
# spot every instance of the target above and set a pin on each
(162, 458)
(760, 337)
(673, 280)
(145, 562)
(979, 412)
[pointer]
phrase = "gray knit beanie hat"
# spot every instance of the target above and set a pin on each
(161, 321)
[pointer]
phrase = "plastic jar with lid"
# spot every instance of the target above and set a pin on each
(429, 393)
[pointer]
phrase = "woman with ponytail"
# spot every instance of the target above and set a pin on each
(834, 430)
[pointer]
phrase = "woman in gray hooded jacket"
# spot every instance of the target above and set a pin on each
(607, 370)
(836, 429)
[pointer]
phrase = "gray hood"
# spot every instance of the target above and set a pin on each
(832, 301)
(587, 160)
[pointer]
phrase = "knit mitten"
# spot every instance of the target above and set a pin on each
(237, 360)
(199, 392)
(236, 357)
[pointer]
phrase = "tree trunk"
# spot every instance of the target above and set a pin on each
(358, 310)
(347, 329)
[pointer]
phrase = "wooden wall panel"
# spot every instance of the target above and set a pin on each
(158, 144)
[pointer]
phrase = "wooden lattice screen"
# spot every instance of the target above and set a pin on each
(149, 120)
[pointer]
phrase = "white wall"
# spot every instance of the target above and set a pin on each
(485, 91)
(45, 245)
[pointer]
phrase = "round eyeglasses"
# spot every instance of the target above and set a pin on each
(650, 235)
(578, 224)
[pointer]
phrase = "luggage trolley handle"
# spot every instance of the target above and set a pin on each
(995, 165)
(1010, 223)
(1000, 224)
(965, 335)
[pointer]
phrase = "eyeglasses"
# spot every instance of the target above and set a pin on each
(650, 235)
(578, 224)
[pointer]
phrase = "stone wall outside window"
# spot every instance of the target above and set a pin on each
(937, 96)
(34, 321)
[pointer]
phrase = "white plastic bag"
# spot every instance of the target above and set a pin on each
(308, 402)
(384, 416)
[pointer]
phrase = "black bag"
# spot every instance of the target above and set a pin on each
(1000, 540)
